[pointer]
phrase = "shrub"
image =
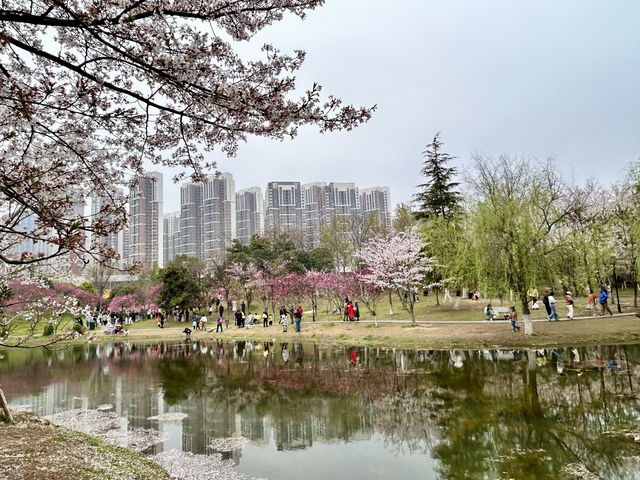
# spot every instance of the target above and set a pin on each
(48, 330)
(78, 328)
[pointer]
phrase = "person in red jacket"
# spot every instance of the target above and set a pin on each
(351, 312)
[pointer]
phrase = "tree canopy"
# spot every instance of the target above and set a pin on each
(91, 89)
(438, 195)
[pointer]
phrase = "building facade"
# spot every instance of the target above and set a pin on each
(190, 242)
(145, 221)
(283, 205)
(249, 214)
(377, 201)
(218, 215)
(171, 237)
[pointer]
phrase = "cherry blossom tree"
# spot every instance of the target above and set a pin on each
(395, 262)
(290, 291)
(315, 286)
(368, 293)
(84, 298)
(244, 280)
(124, 303)
(91, 89)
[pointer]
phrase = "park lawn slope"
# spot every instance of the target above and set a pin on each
(589, 331)
(33, 448)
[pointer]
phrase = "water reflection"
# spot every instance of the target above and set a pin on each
(440, 414)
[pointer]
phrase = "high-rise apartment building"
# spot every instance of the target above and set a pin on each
(249, 214)
(145, 220)
(191, 220)
(314, 212)
(283, 207)
(114, 240)
(322, 202)
(343, 200)
(171, 237)
(218, 215)
(377, 201)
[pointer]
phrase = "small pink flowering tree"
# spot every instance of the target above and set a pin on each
(84, 297)
(396, 262)
(124, 303)
(290, 290)
(315, 286)
(368, 293)
(244, 280)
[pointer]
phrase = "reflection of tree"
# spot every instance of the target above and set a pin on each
(478, 415)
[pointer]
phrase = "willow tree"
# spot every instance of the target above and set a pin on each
(627, 224)
(521, 206)
(92, 89)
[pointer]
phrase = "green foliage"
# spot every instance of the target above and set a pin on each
(88, 287)
(335, 238)
(181, 283)
(438, 195)
(520, 211)
(403, 218)
(124, 289)
(77, 328)
(48, 330)
(321, 259)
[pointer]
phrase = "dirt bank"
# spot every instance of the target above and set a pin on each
(34, 449)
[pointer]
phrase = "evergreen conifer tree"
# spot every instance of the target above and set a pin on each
(438, 195)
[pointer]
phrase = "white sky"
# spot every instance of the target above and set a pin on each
(546, 78)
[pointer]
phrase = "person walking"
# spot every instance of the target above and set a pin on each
(356, 309)
(219, 326)
(568, 301)
(447, 296)
(298, 317)
(351, 312)
(552, 306)
(603, 302)
(591, 302)
(284, 321)
(545, 301)
(513, 316)
(265, 318)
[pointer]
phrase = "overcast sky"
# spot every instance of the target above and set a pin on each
(546, 79)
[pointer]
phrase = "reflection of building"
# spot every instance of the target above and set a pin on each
(145, 220)
(249, 214)
(377, 201)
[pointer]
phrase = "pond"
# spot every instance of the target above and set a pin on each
(307, 411)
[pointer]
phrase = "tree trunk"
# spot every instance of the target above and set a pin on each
(456, 305)
(375, 320)
(5, 408)
(526, 316)
(437, 300)
(413, 318)
(635, 294)
(390, 305)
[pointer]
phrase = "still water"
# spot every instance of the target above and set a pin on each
(360, 413)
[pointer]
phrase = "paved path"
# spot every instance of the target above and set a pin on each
(426, 322)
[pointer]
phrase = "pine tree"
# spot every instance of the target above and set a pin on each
(438, 195)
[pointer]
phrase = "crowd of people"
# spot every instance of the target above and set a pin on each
(551, 305)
